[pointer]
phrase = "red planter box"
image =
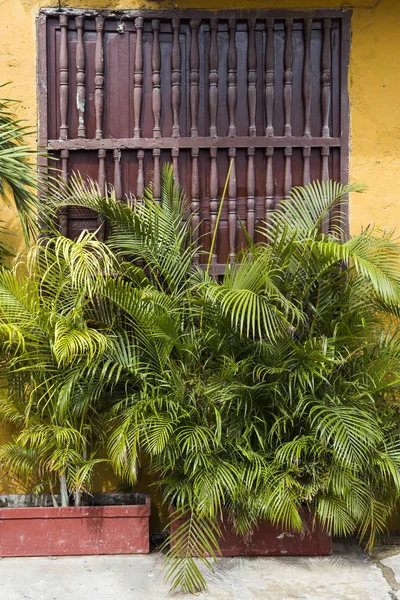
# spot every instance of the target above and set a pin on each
(68, 531)
(268, 540)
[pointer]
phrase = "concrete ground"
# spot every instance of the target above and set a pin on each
(348, 574)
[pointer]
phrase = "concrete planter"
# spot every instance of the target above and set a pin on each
(67, 531)
(268, 540)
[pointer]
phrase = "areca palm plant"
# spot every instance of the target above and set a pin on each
(255, 397)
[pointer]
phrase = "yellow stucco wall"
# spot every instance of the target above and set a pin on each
(374, 89)
(374, 86)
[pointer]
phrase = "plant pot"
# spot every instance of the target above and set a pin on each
(66, 531)
(268, 540)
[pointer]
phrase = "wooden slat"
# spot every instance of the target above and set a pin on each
(101, 178)
(269, 184)
(80, 77)
(140, 176)
(176, 78)
(306, 166)
(200, 142)
(288, 89)
(232, 78)
(270, 78)
(64, 77)
(232, 216)
(99, 78)
(326, 78)
(213, 198)
(156, 77)
(252, 78)
(157, 175)
(117, 174)
(307, 77)
(63, 220)
(175, 163)
(194, 78)
(138, 78)
(251, 185)
(213, 78)
(195, 192)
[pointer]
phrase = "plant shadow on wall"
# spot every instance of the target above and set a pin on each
(262, 396)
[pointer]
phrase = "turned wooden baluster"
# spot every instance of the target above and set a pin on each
(326, 78)
(157, 176)
(138, 78)
(288, 89)
(99, 78)
(156, 77)
(213, 198)
(269, 184)
(175, 163)
(140, 176)
(288, 169)
(64, 77)
(232, 217)
(63, 220)
(176, 78)
(194, 78)
(213, 77)
(80, 77)
(117, 174)
(101, 178)
(252, 77)
(307, 77)
(232, 78)
(270, 77)
(325, 177)
(306, 165)
(251, 186)
(195, 205)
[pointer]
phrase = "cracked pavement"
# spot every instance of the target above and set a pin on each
(349, 574)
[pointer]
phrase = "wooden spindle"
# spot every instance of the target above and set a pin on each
(326, 77)
(251, 186)
(102, 171)
(63, 220)
(288, 169)
(307, 77)
(156, 77)
(176, 78)
(288, 89)
(101, 227)
(325, 164)
(306, 165)
(270, 77)
(213, 77)
(232, 78)
(325, 177)
(157, 176)
(269, 184)
(80, 77)
(232, 217)
(175, 163)
(140, 176)
(213, 198)
(194, 78)
(99, 78)
(252, 77)
(117, 174)
(195, 205)
(64, 77)
(138, 78)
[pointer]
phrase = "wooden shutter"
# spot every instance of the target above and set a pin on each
(120, 94)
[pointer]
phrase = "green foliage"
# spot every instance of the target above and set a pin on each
(255, 397)
(17, 169)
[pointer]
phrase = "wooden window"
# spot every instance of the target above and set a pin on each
(121, 93)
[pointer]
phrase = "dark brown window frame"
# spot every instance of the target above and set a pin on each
(193, 143)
